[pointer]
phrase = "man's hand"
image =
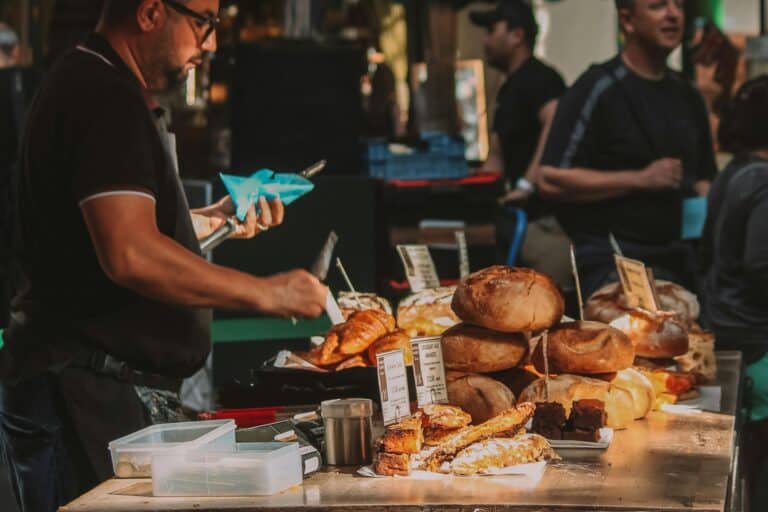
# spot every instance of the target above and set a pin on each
(209, 219)
(296, 293)
(662, 174)
(515, 196)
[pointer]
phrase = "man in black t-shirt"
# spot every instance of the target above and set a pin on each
(525, 107)
(630, 141)
(115, 290)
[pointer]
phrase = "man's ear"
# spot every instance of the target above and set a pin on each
(626, 23)
(150, 15)
(516, 35)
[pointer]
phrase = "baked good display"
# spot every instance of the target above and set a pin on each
(474, 349)
(641, 389)
(670, 387)
(428, 312)
(587, 414)
(566, 389)
(585, 348)
(391, 464)
(350, 302)
(405, 436)
(549, 420)
(700, 358)
(516, 379)
(508, 299)
(609, 302)
(397, 339)
(657, 335)
(481, 396)
(509, 420)
(444, 417)
(496, 453)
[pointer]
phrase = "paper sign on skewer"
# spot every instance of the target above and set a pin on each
(429, 371)
(419, 268)
(393, 386)
(639, 286)
(461, 242)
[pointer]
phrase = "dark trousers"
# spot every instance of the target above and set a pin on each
(55, 429)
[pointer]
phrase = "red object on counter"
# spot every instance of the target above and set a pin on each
(481, 178)
(244, 418)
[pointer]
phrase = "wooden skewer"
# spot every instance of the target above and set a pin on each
(544, 341)
(578, 283)
(349, 282)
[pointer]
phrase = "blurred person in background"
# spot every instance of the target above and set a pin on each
(630, 142)
(524, 110)
(734, 251)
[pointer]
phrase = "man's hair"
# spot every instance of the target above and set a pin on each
(527, 21)
(624, 4)
(744, 120)
(117, 12)
(8, 40)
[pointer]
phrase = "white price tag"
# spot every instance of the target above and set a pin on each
(419, 268)
(393, 386)
(333, 310)
(461, 242)
(639, 287)
(429, 371)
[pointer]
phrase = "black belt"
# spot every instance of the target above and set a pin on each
(106, 364)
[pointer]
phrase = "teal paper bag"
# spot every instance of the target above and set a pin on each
(694, 215)
(246, 190)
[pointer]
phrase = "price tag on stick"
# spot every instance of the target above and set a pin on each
(638, 284)
(429, 371)
(393, 386)
(461, 243)
(419, 268)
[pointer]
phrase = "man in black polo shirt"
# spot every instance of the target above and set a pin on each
(630, 141)
(116, 292)
(525, 107)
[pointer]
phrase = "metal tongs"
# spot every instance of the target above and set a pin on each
(226, 230)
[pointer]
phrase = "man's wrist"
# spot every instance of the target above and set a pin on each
(525, 185)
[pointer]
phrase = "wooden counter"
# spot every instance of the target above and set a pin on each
(667, 462)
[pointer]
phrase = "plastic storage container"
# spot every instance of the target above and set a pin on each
(255, 469)
(132, 454)
(442, 158)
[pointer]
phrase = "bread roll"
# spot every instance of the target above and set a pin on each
(397, 339)
(608, 303)
(427, 313)
(480, 396)
(700, 358)
(585, 348)
(566, 389)
(509, 299)
(516, 379)
(350, 302)
(473, 349)
(641, 388)
(655, 335)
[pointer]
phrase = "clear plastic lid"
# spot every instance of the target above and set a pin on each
(347, 408)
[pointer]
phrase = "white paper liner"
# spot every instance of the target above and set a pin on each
(526, 472)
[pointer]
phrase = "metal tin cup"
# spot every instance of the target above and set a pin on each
(348, 431)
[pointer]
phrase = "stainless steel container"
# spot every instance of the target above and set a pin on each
(348, 431)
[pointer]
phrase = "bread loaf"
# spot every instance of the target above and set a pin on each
(477, 350)
(585, 348)
(509, 299)
(350, 302)
(566, 389)
(480, 396)
(609, 302)
(655, 335)
(427, 313)
(641, 389)
(397, 339)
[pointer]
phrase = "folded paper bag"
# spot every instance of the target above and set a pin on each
(246, 190)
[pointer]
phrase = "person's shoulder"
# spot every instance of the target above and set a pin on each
(593, 83)
(547, 71)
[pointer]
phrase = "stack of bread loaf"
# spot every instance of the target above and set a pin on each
(500, 307)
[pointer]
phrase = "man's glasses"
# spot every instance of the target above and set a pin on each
(202, 20)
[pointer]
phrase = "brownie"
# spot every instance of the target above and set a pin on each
(549, 420)
(588, 414)
(578, 434)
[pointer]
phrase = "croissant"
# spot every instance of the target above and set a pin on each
(355, 335)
